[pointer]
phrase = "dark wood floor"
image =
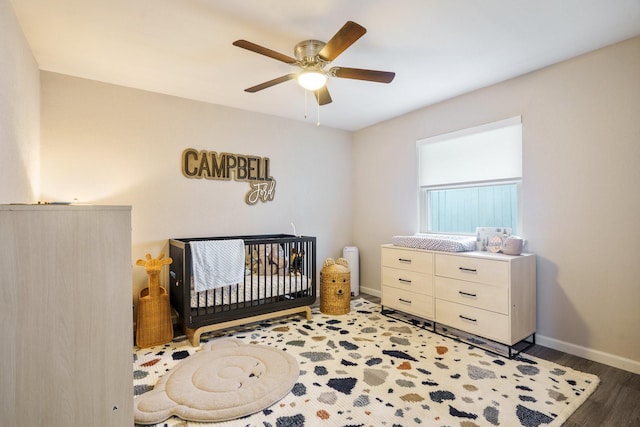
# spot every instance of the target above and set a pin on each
(616, 401)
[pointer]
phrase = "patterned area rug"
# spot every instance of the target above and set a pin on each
(366, 369)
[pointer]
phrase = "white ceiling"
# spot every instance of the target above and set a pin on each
(438, 48)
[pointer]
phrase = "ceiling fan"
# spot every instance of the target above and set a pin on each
(312, 56)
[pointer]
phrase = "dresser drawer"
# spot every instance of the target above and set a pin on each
(494, 298)
(480, 322)
(408, 280)
(407, 259)
(490, 271)
(409, 302)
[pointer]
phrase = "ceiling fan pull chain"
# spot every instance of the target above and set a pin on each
(306, 105)
(318, 122)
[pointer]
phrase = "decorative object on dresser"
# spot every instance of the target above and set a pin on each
(490, 295)
(512, 245)
(268, 289)
(335, 286)
(485, 234)
(153, 318)
(67, 326)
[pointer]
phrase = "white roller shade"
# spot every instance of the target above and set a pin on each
(483, 153)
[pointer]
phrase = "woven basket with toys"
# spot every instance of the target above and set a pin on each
(335, 287)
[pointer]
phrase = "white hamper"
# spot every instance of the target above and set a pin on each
(350, 253)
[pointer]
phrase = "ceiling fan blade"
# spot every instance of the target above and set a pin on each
(345, 37)
(322, 95)
(360, 74)
(264, 51)
(270, 83)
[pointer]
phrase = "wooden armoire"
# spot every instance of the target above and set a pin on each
(65, 310)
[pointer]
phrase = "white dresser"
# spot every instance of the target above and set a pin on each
(481, 293)
(486, 294)
(407, 280)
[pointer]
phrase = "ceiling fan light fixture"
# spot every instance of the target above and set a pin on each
(312, 79)
(311, 59)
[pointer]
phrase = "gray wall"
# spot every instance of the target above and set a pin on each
(107, 144)
(581, 151)
(19, 113)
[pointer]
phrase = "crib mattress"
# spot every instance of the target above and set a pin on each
(255, 287)
(436, 242)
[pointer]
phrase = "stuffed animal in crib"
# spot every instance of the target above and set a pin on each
(251, 260)
(277, 259)
(264, 263)
(297, 261)
(266, 260)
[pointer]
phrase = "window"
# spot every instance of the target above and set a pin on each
(471, 178)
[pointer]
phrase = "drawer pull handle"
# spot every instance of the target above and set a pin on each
(404, 281)
(468, 318)
(468, 270)
(467, 294)
(404, 301)
(404, 260)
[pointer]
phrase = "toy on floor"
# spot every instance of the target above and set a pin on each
(153, 320)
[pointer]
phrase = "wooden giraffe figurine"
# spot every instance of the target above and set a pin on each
(153, 320)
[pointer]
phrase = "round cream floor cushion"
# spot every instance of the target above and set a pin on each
(227, 379)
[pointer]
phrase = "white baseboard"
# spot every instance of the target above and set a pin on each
(590, 354)
(369, 291)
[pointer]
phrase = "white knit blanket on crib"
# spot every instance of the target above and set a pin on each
(217, 263)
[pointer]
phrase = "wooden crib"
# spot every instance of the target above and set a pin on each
(279, 280)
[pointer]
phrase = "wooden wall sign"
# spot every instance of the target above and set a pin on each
(227, 166)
